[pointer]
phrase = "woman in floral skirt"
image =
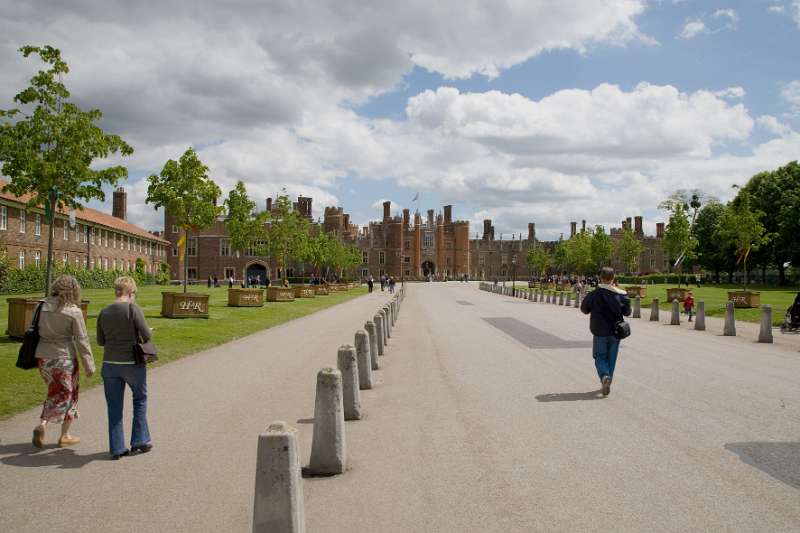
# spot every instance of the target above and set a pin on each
(63, 338)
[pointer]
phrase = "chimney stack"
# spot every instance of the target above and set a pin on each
(531, 231)
(387, 210)
(120, 204)
(448, 214)
(487, 229)
(346, 222)
(406, 218)
(573, 228)
(624, 225)
(638, 222)
(583, 226)
(660, 230)
(269, 205)
(430, 218)
(417, 219)
(630, 223)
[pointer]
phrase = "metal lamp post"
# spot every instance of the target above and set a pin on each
(514, 274)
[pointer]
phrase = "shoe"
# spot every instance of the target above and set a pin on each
(118, 456)
(606, 382)
(63, 442)
(142, 448)
(38, 436)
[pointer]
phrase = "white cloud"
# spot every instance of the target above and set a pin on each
(730, 14)
(773, 125)
(777, 8)
(692, 29)
(794, 10)
(791, 94)
(731, 92)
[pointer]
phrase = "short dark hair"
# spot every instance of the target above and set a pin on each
(607, 274)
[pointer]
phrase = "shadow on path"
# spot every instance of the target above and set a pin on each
(781, 460)
(570, 396)
(27, 456)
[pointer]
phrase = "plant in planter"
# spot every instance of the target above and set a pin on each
(185, 191)
(47, 150)
(248, 234)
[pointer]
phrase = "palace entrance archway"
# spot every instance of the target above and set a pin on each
(428, 268)
(256, 270)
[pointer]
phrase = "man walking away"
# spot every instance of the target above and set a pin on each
(607, 304)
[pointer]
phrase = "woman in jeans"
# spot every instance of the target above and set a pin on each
(115, 332)
(62, 337)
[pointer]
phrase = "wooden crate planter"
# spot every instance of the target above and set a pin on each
(280, 294)
(744, 299)
(184, 305)
(245, 297)
(676, 293)
(320, 290)
(333, 287)
(20, 314)
(636, 290)
(303, 291)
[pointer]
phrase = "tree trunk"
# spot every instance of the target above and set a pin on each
(781, 273)
(185, 259)
(48, 279)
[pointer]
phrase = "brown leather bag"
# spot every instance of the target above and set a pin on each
(143, 352)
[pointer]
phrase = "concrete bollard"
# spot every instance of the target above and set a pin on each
(364, 356)
(675, 319)
(637, 307)
(729, 330)
(388, 312)
(654, 310)
(765, 334)
(278, 502)
(370, 328)
(348, 366)
(555, 299)
(561, 298)
(700, 318)
(548, 296)
(379, 332)
(328, 446)
(384, 326)
(568, 302)
(534, 295)
(577, 299)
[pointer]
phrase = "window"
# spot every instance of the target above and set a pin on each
(406, 259)
(192, 273)
(37, 258)
(113, 264)
(365, 257)
(23, 222)
(175, 252)
(130, 244)
(174, 228)
(91, 234)
(230, 272)
(427, 240)
(3, 218)
(364, 272)
(85, 261)
(77, 233)
(114, 240)
(191, 249)
(21, 263)
(105, 263)
(78, 261)
(407, 245)
(92, 263)
(66, 229)
(105, 238)
(482, 260)
(224, 247)
(381, 257)
(85, 234)
(65, 259)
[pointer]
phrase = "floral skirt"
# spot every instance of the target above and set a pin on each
(62, 379)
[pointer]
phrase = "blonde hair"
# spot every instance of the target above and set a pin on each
(67, 289)
(124, 285)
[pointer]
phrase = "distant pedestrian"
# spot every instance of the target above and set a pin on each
(607, 305)
(688, 305)
(370, 284)
(209, 282)
(216, 282)
(62, 339)
(383, 283)
(391, 285)
(230, 282)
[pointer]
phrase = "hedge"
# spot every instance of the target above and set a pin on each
(656, 278)
(31, 279)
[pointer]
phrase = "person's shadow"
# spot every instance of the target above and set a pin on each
(570, 396)
(25, 455)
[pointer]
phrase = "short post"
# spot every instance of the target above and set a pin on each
(379, 332)
(388, 311)
(675, 319)
(577, 299)
(548, 296)
(278, 502)
(561, 298)
(385, 326)
(654, 310)
(534, 295)
(700, 318)
(765, 334)
(348, 366)
(569, 299)
(328, 446)
(555, 300)
(370, 328)
(729, 330)
(637, 307)
(364, 360)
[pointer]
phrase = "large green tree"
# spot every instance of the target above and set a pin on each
(579, 252)
(628, 248)
(245, 226)
(600, 248)
(741, 227)
(186, 191)
(539, 260)
(48, 146)
(679, 241)
(713, 254)
(288, 233)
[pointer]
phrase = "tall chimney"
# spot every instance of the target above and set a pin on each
(346, 222)
(624, 225)
(583, 226)
(573, 228)
(120, 204)
(406, 218)
(487, 228)
(269, 205)
(660, 230)
(417, 219)
(448, 214)
(387, 210)
(638, 222)
(430, 218)
(531, 231)
(630, 223)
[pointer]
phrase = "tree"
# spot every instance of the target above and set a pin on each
(539, 260)
(559, 255)
(186, 192)
(579, 252)
(288, 233)
(47, 148)
(678, 238)
(600, 248)
(713, 254)
(741, 226)
(245, 227)
(628, 248)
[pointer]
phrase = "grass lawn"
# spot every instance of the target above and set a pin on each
(175, 338)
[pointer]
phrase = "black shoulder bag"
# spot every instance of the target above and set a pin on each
(26, 359)
(143, 352)
(622, 329)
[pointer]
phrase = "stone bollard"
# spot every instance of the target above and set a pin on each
(348, 366)
(675, 319)
(548, 296)
(278, 502)
(379, 332)
(534, 295)
(637, 307)
(654, 310)
(364, 356)
(700, 318)
(384, 326)
(328, 446)
(568, 301)
(370, 328)
(388, 311)
(555, 300)
(765, 334)
(561, 298)
(729, 330)
(577, 299)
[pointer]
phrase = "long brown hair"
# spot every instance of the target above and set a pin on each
(67, 289)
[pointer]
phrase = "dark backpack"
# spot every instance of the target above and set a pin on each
(26, 359)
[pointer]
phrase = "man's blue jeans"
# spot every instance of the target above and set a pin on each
(604, 351)
(115, 377)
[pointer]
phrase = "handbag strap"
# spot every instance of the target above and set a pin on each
(133, 324)
(36, 313)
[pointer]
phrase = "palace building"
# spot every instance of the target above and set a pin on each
(95, 240)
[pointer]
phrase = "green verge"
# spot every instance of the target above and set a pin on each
(175, 338)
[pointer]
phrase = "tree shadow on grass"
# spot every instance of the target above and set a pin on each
(570, 396)
(780, 460)
(26, 456)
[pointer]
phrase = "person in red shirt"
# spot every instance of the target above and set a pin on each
(688, 305)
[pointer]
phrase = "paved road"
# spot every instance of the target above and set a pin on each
(485, 417)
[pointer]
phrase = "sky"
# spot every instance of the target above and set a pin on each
(517, 110)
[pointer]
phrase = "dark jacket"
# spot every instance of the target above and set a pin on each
(115, 332)
(606, 309)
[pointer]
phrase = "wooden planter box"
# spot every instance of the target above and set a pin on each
(20, 314)
(355, 285)
(245, 297)
(280, 294)
(304, 291)
(551, 286)
(320, 290)
(676, 293)
(745, 299)
(636, 290)
(184, 305)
